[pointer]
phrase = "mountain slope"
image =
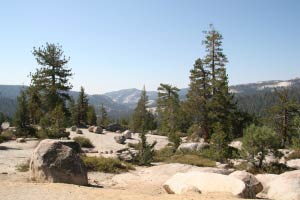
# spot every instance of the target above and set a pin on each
(252, 97)
(130, 97)
(9, 94)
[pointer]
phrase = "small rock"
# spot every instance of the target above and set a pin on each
(113, 127)
(127, 134)
(97, 129)
(91, 129)
(20, 140)
(120, 139)
(5, 125)
(73, 128)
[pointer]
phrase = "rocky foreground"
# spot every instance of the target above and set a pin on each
(163, 181)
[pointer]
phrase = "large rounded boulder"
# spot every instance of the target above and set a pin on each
(205, 182)
(98, 130)
(265, 180)
(285, 187)
(57, 161)
(253, 185)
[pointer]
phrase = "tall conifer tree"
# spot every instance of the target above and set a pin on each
(168, 108)
(52, 78)
(82, 107)
(198, 98)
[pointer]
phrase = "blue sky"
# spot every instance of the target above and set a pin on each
(128, 43)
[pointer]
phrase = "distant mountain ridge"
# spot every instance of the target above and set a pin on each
(131, 96)
(121, 103)
(9, 94)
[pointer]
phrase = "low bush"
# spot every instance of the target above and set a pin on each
(23, 167)
(83, 142)
(106, 165)
(163, 154)
(7, 135)
(134, 145)
(191, 159)
(28, 131)
(52, 133)
(168, 156)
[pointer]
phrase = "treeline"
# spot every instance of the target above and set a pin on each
(259, 102)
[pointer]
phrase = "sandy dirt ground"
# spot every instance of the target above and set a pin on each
(143, 183)
(33, 191)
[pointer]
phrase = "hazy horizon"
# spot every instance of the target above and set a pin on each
(117, 45)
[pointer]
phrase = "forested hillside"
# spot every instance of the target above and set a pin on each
(254, 98)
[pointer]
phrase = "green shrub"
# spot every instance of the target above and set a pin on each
(28, 131)
(83, 142)
(218, 149)
(23, 167)
(134, 145)
(258, 141)
(1, 139)
(146, 151)
(194, 133)
(296, 143)
(191, 159)
(52, 133)
(167, 155)
(7, 135)
(163, 154)
(106, 165)
(175, 140)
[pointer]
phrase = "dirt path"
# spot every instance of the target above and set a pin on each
(33, 191)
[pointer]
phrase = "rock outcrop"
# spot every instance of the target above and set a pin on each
(57, 161)
(192, 146)
(127, 134)
(127, 154)
(205, 182)
(285, 187)
(91, 129)
(253, 185)
(265, 180)
(120, 139)
(97, 129)
(294, 163)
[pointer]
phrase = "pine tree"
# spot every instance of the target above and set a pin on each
(74, 112)
(283, 113)
(221, 105)
(168, 106)
(214, 60)
(198, 99)
(21, 119)
(52, 79)
(34, 105)
(142, 119)
(82, 107)
(103, 119)
(91, 115)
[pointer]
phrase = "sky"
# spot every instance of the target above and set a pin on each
(119, 44)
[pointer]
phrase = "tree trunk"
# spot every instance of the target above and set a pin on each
(284, 128)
